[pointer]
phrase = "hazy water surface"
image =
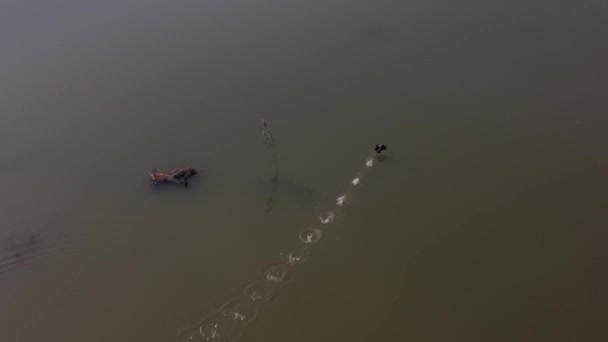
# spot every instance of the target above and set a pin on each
(487, 221)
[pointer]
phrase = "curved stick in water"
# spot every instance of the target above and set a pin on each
(271, 142)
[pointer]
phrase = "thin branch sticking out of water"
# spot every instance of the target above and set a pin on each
(271, 143)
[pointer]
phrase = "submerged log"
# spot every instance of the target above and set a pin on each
(177, 176)
(183, 173)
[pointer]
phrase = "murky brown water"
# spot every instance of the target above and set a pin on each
(487, 221)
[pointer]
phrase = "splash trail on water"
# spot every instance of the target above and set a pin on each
(227, 323)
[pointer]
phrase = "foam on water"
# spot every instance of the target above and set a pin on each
(214, 327)
(260, 291)
(311, 236)
(296, 256)
(327, 217)
(241, 308)
(221, 328)
(341, 200)
(279, 273)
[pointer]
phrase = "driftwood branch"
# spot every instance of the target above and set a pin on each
(177, 176)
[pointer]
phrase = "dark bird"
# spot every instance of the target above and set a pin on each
(379, 148)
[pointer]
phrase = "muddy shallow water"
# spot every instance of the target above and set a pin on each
(486, 221)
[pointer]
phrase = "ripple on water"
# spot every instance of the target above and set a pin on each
(214, 327)
(327, 217)
(191, 334)
(311, 236)
(279, 274)
(241, 308)
(260, 291)
(341, 200)
(23, 248)
(296, 256)
(217, 327)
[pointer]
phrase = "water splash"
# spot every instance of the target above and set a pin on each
(278, 273)
(241, 309)
(327, 217)
(228, 323)
(259, 292)
(341, 200)
(296, 256)
(311, 236)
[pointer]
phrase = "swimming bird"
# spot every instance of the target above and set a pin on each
(379, 148)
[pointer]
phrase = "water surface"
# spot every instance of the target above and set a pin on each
(485, 223)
